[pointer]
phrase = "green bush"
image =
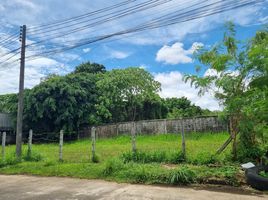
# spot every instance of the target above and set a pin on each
(137, 174)
(33, 156)
(11, 160)
(95, 159)
(176, 158)
(112, 166)
(264, 174)
(250, 154)
(203, 159)
(182, 176)
(153, 157)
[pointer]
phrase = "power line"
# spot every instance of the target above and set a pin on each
(10, 52)
(98, 23)
(123, 13)
(159, 22)
(10, 59)
(74, 21)
(60, 22)
(10, 38)
(95, 24)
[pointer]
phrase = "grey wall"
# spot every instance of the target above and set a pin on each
(150, 127)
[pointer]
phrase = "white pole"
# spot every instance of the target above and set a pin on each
(30, 142)
(93, 142)
(133, 137)
(61, 145)
(3, 145)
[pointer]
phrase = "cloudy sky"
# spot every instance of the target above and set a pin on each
(166, 52)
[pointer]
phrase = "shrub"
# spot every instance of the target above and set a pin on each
(156, 156)
(203, 159)
(253, 153)
(11, 160)
(111, 166)
(34, 156)
(95, 159)
(182, 176)
(137, 174)
(176, 158)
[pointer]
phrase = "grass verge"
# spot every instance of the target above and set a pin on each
(157, 161)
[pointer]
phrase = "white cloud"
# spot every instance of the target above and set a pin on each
(143, 66)
(118, 54)
(176, 54)
(86, 50)
(34, 71)
(173, 86)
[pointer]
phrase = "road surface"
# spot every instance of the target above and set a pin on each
(30, 187)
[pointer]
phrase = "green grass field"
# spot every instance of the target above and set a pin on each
(155, 161)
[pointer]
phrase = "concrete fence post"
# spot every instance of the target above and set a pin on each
(133, 137)
(30, 138)
(61, 145)
(3, 145)
(93, 143)
(117, 129)
(183, 139)
(165, 126)
(194, 119)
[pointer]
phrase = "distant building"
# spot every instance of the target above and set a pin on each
(6, 123)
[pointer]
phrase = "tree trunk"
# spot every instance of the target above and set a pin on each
(234, 131)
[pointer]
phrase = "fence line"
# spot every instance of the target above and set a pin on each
(159, 126)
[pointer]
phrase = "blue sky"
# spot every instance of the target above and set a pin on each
(165, 52)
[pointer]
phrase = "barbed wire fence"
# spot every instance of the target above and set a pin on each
(52, 145)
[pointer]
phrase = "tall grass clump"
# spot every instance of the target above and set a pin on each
(182, 176)
(112, 166)
(153, 157)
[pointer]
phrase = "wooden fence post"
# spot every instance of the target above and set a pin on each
(133, 137)
(93, 143)
(183, 139)
(3, 145)
(29, 152)
(61, 145)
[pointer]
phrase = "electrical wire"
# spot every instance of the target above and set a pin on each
(60, 22)
(117, 15)
(158, 22)
(9, 38)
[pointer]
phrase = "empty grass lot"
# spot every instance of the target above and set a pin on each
(158, 160)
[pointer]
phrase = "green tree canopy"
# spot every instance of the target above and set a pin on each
(181, 107)
(240, 71)
(123, 91)
(88, 67)
(61, 102)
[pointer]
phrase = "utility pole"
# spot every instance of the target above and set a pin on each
(21, 88)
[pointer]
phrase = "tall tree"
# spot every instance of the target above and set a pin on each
(181, 107)
(88, 67)
(123, 91)
(62, 102)
(236, 67)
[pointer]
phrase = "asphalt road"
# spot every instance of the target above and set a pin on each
(30, 187)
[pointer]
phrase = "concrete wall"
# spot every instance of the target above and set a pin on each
(150, 127)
